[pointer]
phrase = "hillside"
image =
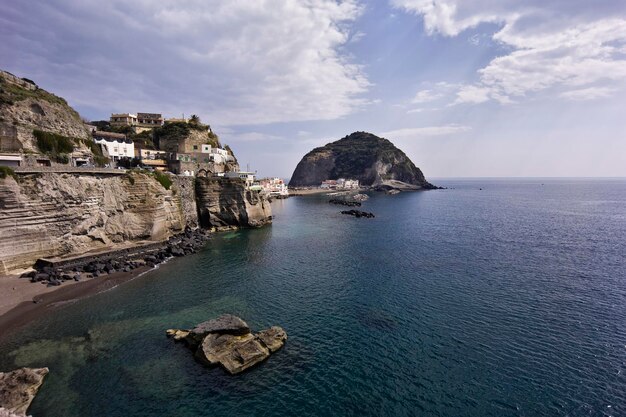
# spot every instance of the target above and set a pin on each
(372, 160)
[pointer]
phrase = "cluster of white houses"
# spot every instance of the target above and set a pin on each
(340, 184)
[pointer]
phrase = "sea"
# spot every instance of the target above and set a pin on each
(493, 297)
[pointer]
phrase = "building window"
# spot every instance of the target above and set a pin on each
(195, 147)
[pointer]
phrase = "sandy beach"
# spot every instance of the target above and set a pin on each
(22, 301)
(308, 191)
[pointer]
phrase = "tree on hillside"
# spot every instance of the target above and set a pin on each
(194, 120)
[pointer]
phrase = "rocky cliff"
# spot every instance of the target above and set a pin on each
(25, 107)
(363, 156)
(223, 203)
(49, 214)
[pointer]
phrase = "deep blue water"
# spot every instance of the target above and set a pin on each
(505, 301)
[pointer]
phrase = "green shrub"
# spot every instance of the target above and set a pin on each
(62, 158)
(100, 160)
(131, 179)
(163, 179)
(53, 143)
(96, 149)
(6, 171)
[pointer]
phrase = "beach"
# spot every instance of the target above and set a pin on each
(22, 301)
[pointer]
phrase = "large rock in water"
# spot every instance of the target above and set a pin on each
(362, 156)
(227, 341)
(18, 388)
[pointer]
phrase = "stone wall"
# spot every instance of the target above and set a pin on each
(184, 189)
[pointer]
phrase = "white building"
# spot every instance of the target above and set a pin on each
(274, 187)
(116, 144)
(248, 177)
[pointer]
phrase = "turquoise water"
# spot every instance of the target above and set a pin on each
(505, 301)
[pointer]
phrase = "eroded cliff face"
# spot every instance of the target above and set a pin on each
(362, 156)
(223, 203)
(49, 214)
(24, 107)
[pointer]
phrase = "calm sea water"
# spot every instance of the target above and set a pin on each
(505, 301)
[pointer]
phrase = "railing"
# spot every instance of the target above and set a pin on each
(68, 169)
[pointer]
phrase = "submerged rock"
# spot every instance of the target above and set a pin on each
(18, 388)
(228, 341)
(359, 214)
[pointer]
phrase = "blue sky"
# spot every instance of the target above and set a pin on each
(465, 88)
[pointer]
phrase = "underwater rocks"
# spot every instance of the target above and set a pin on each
(344, 202)
(359, 214)
(228, 341)
(18, 388)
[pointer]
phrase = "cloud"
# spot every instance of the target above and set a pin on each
(426, 96)
(561, 46)
(415, 132)
(236, 62)
(588, 93)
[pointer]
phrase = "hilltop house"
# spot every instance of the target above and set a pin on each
(140, 122)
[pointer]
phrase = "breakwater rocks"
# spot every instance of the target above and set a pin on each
(228, 341)
(53, 274)
(347, 203)
(359, 214)
(18, 389)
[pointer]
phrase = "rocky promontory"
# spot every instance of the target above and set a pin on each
(18, 389)
(228, 341)
(362, 156)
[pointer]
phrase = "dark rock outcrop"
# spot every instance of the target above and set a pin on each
(228, 341)
(359, 214)
(362, 156)
(18, 388)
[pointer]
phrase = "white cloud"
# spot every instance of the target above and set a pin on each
(553, 45)
(426, 96)
(588, 93)
(415, 132)
(472, 94)
(236, 61)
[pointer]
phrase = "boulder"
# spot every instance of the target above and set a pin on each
(177, 334)
(224, 324)
(227, 341)
(18, 388)
(274, 338)
(234, 353)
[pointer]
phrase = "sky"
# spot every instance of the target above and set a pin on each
(495, 88)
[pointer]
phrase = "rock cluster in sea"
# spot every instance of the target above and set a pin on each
(184, 244)
(347, 203)
(18, 389)
(228, 341)
(359, 214)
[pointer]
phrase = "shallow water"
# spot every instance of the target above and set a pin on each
(505, 301)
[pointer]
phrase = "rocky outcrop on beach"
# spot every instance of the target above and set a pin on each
(228, 341)
(362, 156)
(225, 203)
(18, 388)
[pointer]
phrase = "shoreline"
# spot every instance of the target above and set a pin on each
(23, 311)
